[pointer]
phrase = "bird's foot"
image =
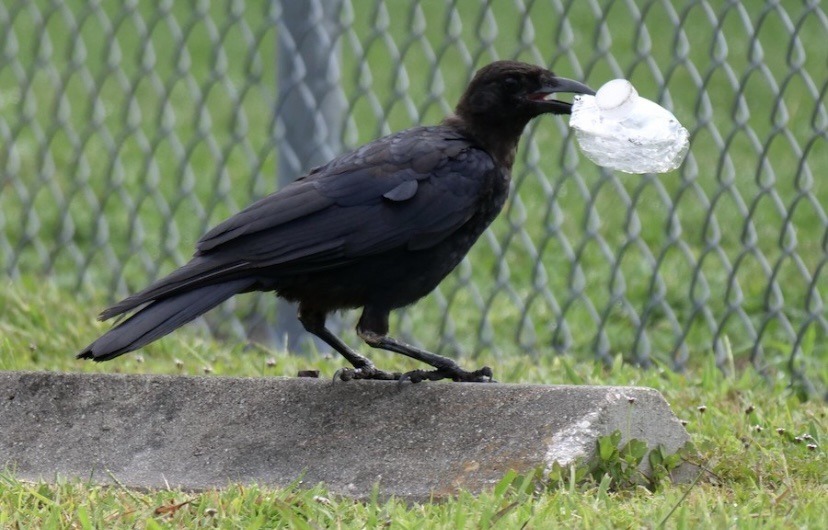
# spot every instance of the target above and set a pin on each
(365, 372)
(457, 374)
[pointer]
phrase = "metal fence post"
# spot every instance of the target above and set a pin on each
(311, 108)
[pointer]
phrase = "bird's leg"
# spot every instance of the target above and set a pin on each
(445, 368)
(363, 368)
(373, 329)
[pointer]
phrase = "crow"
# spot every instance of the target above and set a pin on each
(377, 228)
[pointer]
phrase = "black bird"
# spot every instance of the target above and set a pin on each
(377, 228)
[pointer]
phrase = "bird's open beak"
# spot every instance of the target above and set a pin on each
(556, 85)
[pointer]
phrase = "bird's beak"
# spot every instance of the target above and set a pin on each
(555, 85)
(562, 84)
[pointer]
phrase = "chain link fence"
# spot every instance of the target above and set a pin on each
(129, 128)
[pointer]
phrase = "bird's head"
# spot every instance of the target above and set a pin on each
(511, 91)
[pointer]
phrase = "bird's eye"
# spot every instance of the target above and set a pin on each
(511, 83)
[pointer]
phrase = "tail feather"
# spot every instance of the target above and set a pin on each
(194, 274)
(159, 318)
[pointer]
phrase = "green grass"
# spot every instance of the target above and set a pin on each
(756, 477)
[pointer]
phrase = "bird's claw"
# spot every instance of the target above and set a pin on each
(483, 375)
(366, 372)
(457, 374)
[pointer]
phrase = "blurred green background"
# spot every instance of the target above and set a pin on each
(127, 129)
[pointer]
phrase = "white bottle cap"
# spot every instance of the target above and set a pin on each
(616, 99)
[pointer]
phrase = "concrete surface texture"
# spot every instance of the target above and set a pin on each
(415, 441)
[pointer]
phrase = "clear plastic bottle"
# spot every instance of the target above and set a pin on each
(620, 130)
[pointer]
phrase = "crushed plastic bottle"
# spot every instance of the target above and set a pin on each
(617, 129)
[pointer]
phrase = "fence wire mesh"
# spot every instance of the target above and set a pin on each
(128, 128)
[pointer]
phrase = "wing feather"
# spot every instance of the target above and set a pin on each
(410, 190)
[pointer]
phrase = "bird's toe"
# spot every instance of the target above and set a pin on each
(365, 372)
(483, 375)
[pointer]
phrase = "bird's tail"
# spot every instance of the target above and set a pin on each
(161, 317)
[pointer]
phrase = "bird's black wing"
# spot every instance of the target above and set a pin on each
(409, 190)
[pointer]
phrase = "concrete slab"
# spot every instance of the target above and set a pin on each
(415, 441)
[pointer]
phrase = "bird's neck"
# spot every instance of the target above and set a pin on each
(500, 141)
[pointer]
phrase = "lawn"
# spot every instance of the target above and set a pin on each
(763, 450)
